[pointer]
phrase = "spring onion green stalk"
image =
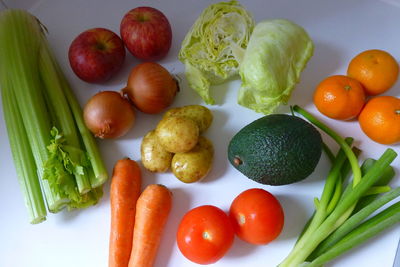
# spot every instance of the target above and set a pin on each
(368, 229)
(386, 176)
(353, 222)
(328, 152)
(65, 155)
(23, 159)
(322, 204)
(385, 179)
(336, 207)
(346, 148)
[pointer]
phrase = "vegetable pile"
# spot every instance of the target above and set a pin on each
(59, 165)
(53, 150)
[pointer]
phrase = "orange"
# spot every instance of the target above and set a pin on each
(339, 97)
(377, 70)
(380, 119)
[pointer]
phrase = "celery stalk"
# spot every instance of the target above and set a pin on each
(65, 153)
(19, 52)
(98, 168)
(63, 120)
(23, 159)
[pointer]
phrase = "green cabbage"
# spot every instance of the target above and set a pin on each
(276, 54)
(211, 48)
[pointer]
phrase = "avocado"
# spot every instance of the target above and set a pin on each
(276, 149)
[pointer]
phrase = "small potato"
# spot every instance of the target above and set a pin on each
(154, 157)
(194, 165)
(200, 114)
(177, 134)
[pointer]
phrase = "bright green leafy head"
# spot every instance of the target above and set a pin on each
(214, 44)
(277, 52)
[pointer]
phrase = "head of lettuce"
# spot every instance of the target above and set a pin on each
(211, 47)
(269, 56)
(276, 54)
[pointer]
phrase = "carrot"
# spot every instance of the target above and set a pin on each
(124, 193)
(152, 210)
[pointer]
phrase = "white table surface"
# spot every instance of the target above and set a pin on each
(340, 30)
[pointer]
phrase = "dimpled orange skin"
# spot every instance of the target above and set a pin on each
(339, 97)
(377, 70)
(380, 119)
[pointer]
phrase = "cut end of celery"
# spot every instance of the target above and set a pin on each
(100, 180)
(38, 220)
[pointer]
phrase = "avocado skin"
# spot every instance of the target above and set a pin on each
(276, 149)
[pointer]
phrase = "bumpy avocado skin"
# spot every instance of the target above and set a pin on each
(276, 149)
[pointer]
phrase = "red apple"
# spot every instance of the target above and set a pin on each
(96, 55)
(146, 33)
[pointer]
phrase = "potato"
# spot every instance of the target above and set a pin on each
(200, 114)
(154, 157)
(177, 134)
(194, 165)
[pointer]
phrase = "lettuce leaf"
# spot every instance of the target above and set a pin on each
(214, 44)
(277, 53)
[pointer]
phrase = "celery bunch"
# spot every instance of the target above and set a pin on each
(53, 151)
(342, 217)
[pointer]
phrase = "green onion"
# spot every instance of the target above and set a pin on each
(354, 220)
(368, 229)
(346, 148)
(333, 215)
(321, 210)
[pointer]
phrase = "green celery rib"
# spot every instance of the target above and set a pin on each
(23, 159)
(19, 52)
(366, 230)
(64, 119)
(68, 162)
(99, 171)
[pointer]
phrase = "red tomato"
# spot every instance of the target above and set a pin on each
(205, 234)
(257, 216)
